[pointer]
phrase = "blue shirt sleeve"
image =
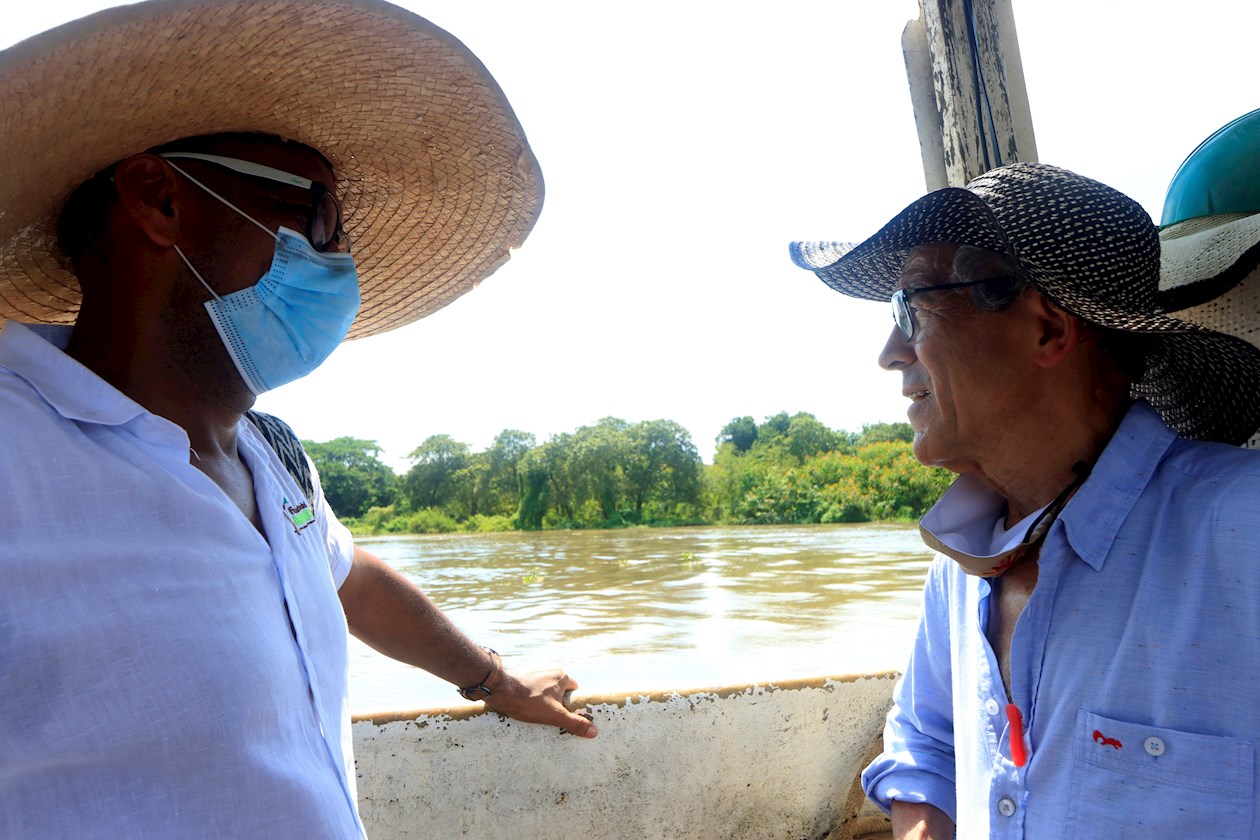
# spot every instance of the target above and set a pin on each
(917, 764)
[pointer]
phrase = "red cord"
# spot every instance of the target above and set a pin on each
(1018, 755)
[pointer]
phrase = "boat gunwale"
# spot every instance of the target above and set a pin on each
(624, 698)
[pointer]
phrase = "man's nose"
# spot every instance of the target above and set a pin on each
(898, 352)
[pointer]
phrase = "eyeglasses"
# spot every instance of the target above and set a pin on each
(323, 225)
(903, 315)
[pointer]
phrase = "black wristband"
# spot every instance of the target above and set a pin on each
(480, 691)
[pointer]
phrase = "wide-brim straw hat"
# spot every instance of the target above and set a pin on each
(1206, 257)
(1210, 225)
(1236, 312)
(436, 179)
(1210, 234)
(1091, 250)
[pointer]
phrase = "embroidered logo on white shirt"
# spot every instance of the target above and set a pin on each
(300, 515)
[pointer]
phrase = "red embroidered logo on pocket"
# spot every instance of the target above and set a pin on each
(1104, 741)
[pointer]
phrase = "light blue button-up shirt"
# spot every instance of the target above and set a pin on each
(1135, 665)
(165, 670)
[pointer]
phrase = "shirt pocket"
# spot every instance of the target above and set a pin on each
(1136, 781)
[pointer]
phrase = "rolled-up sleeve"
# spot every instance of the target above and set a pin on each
(917, 764)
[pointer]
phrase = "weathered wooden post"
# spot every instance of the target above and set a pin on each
(967, 89)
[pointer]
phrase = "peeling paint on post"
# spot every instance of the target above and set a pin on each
(980, 114)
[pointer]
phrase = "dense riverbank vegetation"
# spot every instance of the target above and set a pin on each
(784, 470)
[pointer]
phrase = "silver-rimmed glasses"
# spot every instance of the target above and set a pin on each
(903, 315)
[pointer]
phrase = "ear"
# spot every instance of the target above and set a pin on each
(148, 195)
(1059, 332)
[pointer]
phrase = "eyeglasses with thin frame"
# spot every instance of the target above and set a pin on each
(323, 226)
(903, 314)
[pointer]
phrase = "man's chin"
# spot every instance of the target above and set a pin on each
(922, 448)
(927, 453)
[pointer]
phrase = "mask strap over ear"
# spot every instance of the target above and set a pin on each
(195, 272)
(260, 225)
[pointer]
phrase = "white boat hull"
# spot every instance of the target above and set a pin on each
(773, 761)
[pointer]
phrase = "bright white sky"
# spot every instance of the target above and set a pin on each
(683, 145)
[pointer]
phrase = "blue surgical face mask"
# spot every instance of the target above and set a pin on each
(283, 327)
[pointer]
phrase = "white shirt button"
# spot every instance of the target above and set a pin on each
(991, 706)
(1006, 807)
(1154, 746)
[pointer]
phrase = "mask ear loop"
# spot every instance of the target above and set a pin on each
(238, 210)
(196, 273)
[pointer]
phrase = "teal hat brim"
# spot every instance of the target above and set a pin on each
(1221, 176)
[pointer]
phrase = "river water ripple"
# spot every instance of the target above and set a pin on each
(646, 609)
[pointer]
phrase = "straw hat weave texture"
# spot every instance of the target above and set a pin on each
(1210, 225)
(436, 179)
(1205, 257)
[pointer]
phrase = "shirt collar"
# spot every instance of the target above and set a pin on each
(36, 353)
(1093, 518)
(967, 515)
(964, 516)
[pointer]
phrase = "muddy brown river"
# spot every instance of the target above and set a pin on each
(646, 609)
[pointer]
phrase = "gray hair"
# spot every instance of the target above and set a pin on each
(972, 263)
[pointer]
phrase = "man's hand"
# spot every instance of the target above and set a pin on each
(538, 697)
(920, 821)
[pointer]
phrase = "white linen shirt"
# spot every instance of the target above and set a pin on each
(165, 671)
(1133, 665)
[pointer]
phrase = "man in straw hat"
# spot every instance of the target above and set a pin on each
(1210, 234)
(202, 199)
(1085, 661)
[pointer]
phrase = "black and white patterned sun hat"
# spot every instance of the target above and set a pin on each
(1090, 249)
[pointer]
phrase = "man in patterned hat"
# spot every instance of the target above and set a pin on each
(176, 592)
(1084, 664)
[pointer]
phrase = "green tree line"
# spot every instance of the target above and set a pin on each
(784, 470)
